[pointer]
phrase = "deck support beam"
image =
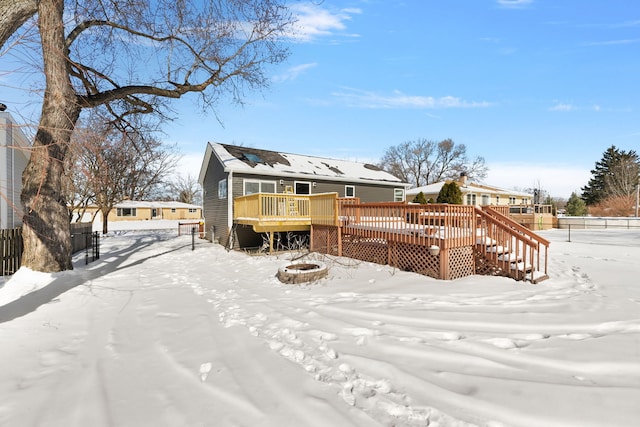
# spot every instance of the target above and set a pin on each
(271, 242)
(444, 264)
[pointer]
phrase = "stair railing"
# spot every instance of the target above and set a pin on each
(517, 251)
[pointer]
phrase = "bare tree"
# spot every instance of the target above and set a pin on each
(615, 205)
(623, 177)
(77, 183)
(112, 165)
(186, 189)
(127, 56)
(423, 162)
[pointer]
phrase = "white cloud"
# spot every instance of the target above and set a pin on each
(614, 42)
(559, 180)
(190, 164)
(514, 4)
(293, 72)
(562, 107)
(314, 22)
(397, 99)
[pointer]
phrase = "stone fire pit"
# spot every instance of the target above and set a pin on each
(302, 272)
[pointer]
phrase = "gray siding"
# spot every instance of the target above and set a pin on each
(14, 156)
(367, 192)
(215, 210)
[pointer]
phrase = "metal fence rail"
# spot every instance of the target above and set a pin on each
(10, 250)
(11, 246)
(595, 223)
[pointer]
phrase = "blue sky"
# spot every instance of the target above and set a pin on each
(539, 88)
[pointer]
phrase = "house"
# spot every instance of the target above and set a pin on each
(474, 194)
(130, 210)
(520, 206)
(14, 156)
(230, 172)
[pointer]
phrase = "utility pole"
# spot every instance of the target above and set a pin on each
(637, 197)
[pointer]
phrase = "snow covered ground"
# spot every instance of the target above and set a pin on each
(155, 334)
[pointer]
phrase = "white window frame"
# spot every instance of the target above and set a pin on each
(260, 183)
(398, 195)
(512, 200)
(471, 199)
(295, 186)
(353, 191)
(486, 199)
(121, 212)
(222, 189)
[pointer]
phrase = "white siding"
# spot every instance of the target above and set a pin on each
(14, 156)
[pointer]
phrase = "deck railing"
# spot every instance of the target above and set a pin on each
(528, 248)
(442, 225)
(269, 206)
(324, 208)
(445, 226)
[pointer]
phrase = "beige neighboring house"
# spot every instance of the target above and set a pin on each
(475, 194)
(14, 156)
(130, 210)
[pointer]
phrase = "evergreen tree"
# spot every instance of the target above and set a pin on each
(450, 193)
(420, 198)
(614, 175)
(576, 206)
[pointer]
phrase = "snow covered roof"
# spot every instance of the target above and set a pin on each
(264, 162)
(467, 188)
(155, 204)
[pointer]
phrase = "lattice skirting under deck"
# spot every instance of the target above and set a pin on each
(460, 262)
(325, 240)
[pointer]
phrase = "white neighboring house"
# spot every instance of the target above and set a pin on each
(14, 155)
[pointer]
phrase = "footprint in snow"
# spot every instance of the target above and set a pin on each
(205, 368)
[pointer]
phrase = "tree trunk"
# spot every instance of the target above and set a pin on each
(105, 216)
(46, 233)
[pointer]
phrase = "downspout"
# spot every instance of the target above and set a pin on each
(230, 197)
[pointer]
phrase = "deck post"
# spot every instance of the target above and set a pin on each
(444, 264)
(270, 242)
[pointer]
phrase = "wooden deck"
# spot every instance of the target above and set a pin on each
(438, 240)
(273, 212)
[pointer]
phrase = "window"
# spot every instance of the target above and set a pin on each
(251, 187)
(398, 194)
(173, 210)
(349, 191)
(193, 210)
(126, 212)
(254, 186)
(267, 187)
(471, 199)
(512, 200)
(222, 189)
(486, 200)
(302, 187)
(154, 212)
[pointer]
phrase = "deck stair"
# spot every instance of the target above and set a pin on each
(506, 248)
